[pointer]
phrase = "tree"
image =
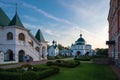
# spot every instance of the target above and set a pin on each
(60, 47)
(102, 51)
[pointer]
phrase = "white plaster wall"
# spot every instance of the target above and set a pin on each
(51, 51)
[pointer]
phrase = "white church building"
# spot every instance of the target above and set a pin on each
(53, 50)
(16, 41)
(81, 48)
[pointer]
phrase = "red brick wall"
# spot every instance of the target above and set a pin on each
(119, 48)
(119, 56)
(114, 24)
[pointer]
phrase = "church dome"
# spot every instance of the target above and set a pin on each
(80, 41)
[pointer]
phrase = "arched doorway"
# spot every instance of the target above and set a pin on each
(87, 54)
(43, 52)
(21, 54)
(78, 53)
(9, 55)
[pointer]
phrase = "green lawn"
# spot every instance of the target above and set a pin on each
(85, 72)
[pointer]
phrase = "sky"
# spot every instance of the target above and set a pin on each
(63, 20)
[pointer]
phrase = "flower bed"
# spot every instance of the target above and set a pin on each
(31, 73)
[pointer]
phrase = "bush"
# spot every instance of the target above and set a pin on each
(62, 63)
(29, 75)
(59, 61)
(36, 73)
(47, 73)
(2, 69)
(10, 76)
(83, 58)
(49, 63)
(27, 66)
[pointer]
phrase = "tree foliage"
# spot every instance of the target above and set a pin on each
(61, 47)
(102, 51)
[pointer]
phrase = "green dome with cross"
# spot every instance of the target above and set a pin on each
(80, 41)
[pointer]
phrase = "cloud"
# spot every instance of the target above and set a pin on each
(72, 34)
(70, 31)
(91, 11)
(45, 13)
(42, 28)
(30, 18)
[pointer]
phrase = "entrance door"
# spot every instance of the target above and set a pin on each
(78, 53)
(21, 55)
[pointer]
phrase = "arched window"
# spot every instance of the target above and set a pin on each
(21, 37)
(37, 49)
(9, 36)
(30, 42)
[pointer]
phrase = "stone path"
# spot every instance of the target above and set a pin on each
(32, 63)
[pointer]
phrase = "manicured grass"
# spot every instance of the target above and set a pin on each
(85, 72)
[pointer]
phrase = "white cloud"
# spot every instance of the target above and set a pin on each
(42, 28)
(45, 13)
(30, 18)
(71, 34)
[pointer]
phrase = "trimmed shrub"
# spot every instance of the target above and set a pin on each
(47, 73)
(35, 73)
(49, 63)
(29, 75)
(27, 67)
(69, 64)
(83, 59)
(1, 69)
(10, 76)
(58, 61)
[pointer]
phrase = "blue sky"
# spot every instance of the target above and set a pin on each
(63, 20)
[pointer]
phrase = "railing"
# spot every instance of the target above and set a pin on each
(33, 52)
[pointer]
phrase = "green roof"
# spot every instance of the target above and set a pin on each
(16, 21)
(4, 20)
(39, 36)
(80, 41)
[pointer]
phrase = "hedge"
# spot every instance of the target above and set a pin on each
(33, 74)
(10, 76)
(83, 59)
(69, 64)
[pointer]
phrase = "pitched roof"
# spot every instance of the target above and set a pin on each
(39, 36)
(16, 21)
(4, 20)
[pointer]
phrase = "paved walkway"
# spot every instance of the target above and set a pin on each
(116, 70)
(32, 63)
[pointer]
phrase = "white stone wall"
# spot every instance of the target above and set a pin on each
(16, 45)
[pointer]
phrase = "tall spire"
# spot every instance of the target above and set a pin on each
(16, 8)
(16, 20)
(4, 19)
(39, 36)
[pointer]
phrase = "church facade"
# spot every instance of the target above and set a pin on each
(53, 50)
(16, 41)
(81, 48)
